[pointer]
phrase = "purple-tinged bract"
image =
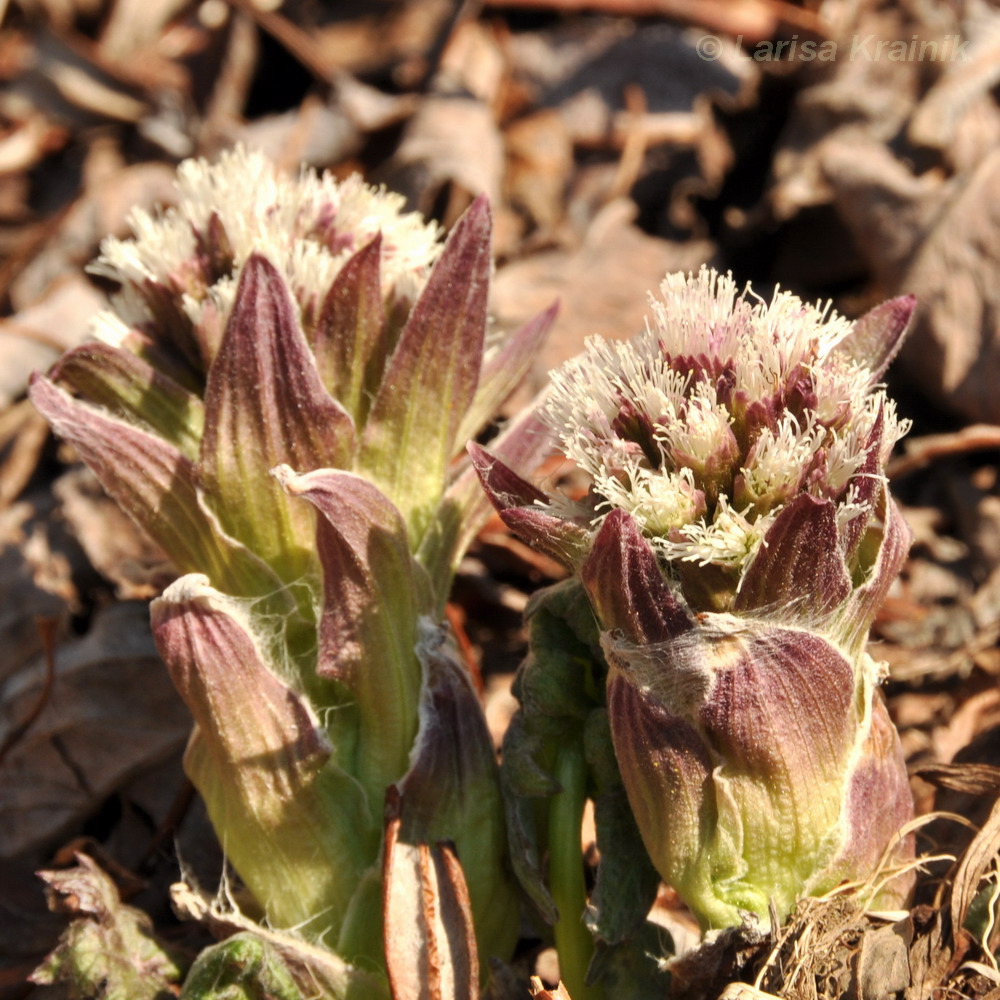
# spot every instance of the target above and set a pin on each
(736, 543)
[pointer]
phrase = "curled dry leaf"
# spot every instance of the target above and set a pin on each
(539, 991)
(430, 947)
(980, 854)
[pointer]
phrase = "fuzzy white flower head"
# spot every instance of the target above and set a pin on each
(307, 226)
(719, 414)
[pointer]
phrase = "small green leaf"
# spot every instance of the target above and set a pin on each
(110, 952)
(244, 967)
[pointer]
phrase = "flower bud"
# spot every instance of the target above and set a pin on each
(735, 545)
(758, 757)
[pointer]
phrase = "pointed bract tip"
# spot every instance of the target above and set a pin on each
(626, 587)
(41, 389)
(899, 316)
(477, 218)
(878, 335)
(480, 204)
(187, 588)
(504, 487)
(288, 478)
(259, 264)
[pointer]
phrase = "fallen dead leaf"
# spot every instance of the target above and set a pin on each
(112, 713)
(118, 550)
(601, 288)
(954, 349)
(452, 141)
(36, 336)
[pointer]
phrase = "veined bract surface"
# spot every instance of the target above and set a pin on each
(280, 397)
(735, 545)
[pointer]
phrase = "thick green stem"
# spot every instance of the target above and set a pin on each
(566, 878)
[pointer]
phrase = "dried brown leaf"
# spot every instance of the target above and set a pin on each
(450, 141)
(972, 779)
(939, 115)
(883, 967)
(601, 287)
(539, 166)
(34, 338)
(118, 550)
(34, 584)
(71, 83)
(954, 350)
(979, 855)
(430, 947)
(27, 433)
(921, 452)
(136, 24)
(101, 210)
(930, 954)
(112, 714)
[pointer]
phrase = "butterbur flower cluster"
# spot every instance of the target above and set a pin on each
(280, 397)
(722, 412)
(736, 543)
(178, 274)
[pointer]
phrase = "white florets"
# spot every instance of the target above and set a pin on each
(307, 226)
(718, 414)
